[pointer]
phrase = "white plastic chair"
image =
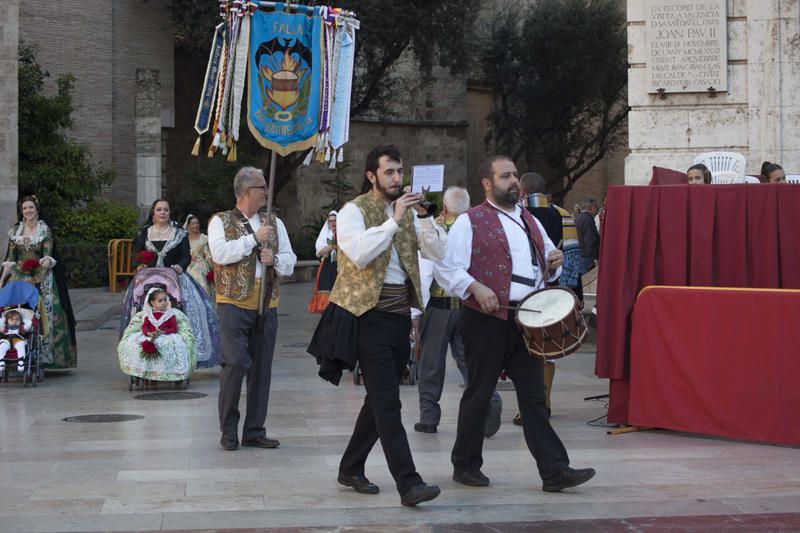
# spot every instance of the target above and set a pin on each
(793, 178)
(725, 167)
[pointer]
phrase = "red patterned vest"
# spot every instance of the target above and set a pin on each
(491, 258)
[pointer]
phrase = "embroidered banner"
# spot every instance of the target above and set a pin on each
(206, 106)
(284, 79)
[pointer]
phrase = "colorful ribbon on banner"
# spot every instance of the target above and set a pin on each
(318, 50)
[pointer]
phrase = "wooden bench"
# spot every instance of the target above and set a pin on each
(120, 261)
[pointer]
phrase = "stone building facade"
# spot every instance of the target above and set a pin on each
(9, 113)
(136, 96)
(757, 116)
(104, 45)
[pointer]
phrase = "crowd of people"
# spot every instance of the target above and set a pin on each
(381, 255)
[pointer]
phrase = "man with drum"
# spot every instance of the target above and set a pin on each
(496, 256)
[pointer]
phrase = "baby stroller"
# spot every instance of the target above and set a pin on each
(22, 297)
(143, 281)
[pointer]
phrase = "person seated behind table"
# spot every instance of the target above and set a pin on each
(698, 174)
(158, 343)
(13, 336)
(772, 173)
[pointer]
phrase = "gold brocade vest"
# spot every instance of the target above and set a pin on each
(357, 290)
(236, 280)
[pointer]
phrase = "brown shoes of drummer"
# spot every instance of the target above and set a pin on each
(569, 477)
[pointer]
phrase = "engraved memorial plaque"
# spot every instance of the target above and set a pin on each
(687, 46)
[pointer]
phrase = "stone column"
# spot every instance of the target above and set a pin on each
(9, 140)
(148, 139)
(773, 66)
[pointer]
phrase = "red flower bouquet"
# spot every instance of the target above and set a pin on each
(149, 350)
(210, 276)
(30, 265)
(145, 258)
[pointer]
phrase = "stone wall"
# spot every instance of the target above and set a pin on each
(301, 201)
(102, 44)
(757, 116)
(9, 21)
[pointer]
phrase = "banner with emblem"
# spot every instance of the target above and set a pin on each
(284, 79)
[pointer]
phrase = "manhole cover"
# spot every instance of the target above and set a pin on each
(99, 419)
(180, 395)
(296, 345)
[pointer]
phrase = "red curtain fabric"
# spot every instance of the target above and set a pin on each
(667, 176)
(717, 361)
(744, 235)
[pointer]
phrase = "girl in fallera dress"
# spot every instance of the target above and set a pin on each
(158, 343)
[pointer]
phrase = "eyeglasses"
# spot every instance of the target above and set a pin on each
(258, 187)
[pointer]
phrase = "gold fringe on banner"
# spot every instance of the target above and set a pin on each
(232, 154)
(196, 149)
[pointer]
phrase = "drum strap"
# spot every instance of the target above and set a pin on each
(536, 259)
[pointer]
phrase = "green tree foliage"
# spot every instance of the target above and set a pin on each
(432, 32)
(51, 165)
(558, 72)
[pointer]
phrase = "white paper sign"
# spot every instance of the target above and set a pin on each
(431, 177)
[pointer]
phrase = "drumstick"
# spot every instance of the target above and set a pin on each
(512, 308)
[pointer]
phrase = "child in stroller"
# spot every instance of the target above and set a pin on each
(157, 344)
(14, 332)
(19, 330)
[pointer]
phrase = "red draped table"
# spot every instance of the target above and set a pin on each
(688, 235)
(717, 361)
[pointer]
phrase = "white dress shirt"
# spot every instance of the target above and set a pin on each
(451, 273)
(362, 245)
(226, 252)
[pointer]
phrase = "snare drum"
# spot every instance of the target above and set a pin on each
(551, 323)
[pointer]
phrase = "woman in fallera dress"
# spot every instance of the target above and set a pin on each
(30, 258)
(169, 244)
(201, 266)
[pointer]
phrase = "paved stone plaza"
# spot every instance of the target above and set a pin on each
(166, 471)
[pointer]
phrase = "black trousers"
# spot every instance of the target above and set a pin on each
(490, 345)
(383, 353)
(245, 352)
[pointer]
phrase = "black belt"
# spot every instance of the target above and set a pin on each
(444, 302)
(524, 281)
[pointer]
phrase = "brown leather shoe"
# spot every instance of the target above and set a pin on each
(261, 442)
(229, 442)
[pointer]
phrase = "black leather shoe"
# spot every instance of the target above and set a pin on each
(517, 419)
(425, 428)
(569, 477)
(261, 442)
(229, 442)
(419, 493)
(360, 484)
(473, 478)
